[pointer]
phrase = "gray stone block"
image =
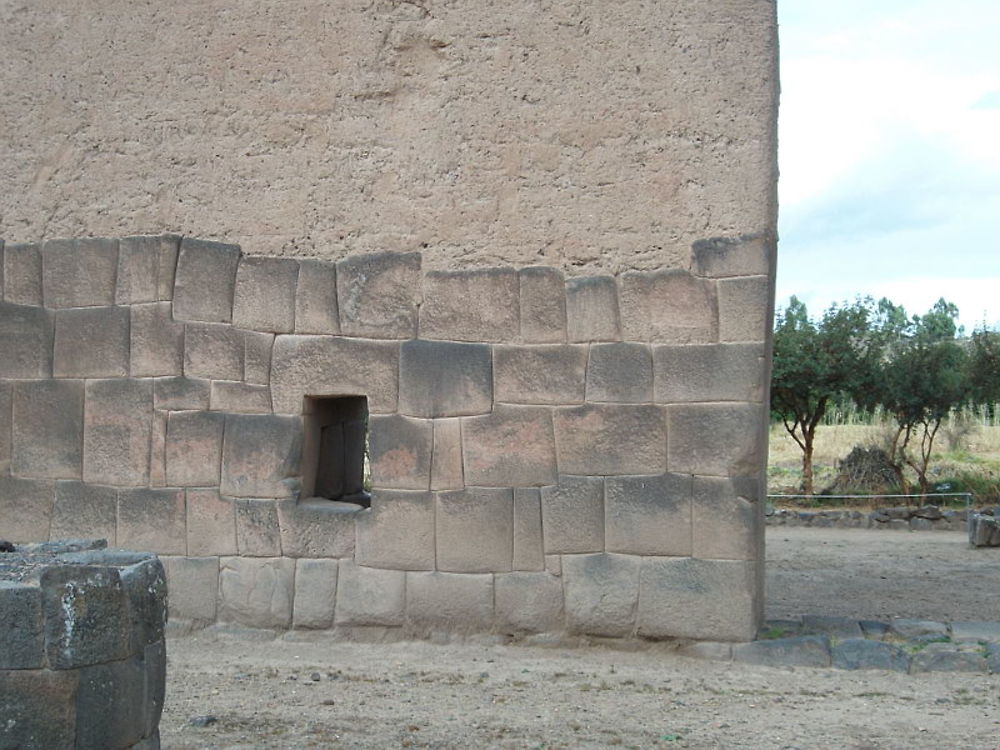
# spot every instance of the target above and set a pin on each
(529, 602)
(543, 305)
(801, 651)
(193, 448)
(873, 629)
(146, 266)
(512, 447)
(329, 366)
(379, 294)
(573, 515)
(258, 533)
(316, 298)
(397, 532)
(620, 372)
(264, 297)
(115, 692)
(145, 584)
(836, 627)
(963, 632)
(261, 452)
(528, 549)
(205, 281)
(315, 593)
(726, 518)
(473, 305)
(716, 439)
(91, 342)
(48, 429)
(744, 309)
(193, 583)
(152, 520)
(399, 452)
(39, 708)
(671, 307)
(211, 523)
(445, 379)
(368, 596)
(859, 653)
(22, 273)
(156, 341)
(745, 255)
(685, 598)
(25, 509)
(474, 530)
(257, 357)
(117, 420)
(455, 602)
(154, 693)
(179, 393)
(213, 351)
(317, 528)
(606, 439)
(648, 515)
(256, 591)
(592, 309)
(948, 661)
(540, 374)
(6, 425)
(158, 450)
(79, 273)
(240, 398)
(905, 627)
(446, 456)
(26, 340)
(84, 511)
(22, 630)
(711, 372)
(602, 593)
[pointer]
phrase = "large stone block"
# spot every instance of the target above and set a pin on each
(379, 295)
(668, 306)
(475, 305)
(727, 518)
(316, 298)
(528, 550)
(445, 379)
(592, 309)
(529, 602)
(193, 448)
(39, 708)
(115, 692)
(177, 394)
(240, 398)
(317, 528)
(397, 532)
(146, 266)
(117, 420)
(605, 439)
(264, 299)
(22, 273)
(543, 305)
(707, 599)
(211, 523)
(620, 372)
(744, 309)
(26, 336)
(152, 520)
(92, 342)
(158, 449)
(22, 627)
(257, 591)
(157, 342)
(6, 425)
(84, 511)
(368, 596)
(258, 533)
(257, 357)
(746, 255)
(213, 351)
(716, 439)
(48, 429)
(446, 456)
(261, 453)
(648, 515)
(329, 366)
(315, 593)
(475, 530)
(453, 601)
(512, 447)
(602, 592)
(79, 273)
(540, 374)
(193, 583)
(205, 281)
(713, 372)
(573, 515)
(25, 509)
(399, 452)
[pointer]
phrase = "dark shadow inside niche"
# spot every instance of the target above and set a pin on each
(335, 449)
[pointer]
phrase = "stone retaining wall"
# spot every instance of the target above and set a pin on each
(924, 518)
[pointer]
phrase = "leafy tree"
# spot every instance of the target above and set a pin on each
(984, 369)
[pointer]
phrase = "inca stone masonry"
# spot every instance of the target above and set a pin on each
(420, 317)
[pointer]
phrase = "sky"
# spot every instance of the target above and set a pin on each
(889, 150)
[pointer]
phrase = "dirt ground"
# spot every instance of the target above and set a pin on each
(322, 693)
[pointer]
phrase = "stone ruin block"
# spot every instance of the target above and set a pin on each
(368, 596)
(397, 531)
(261, 453)
(455, 602)
(146, 266)
(592, 309)
(744, 309)
(84, 510)
(604, 439)
(721, 257)
(156, 341)
(445, 379)
(573, 515)
(22, 273)
(256, 591)
(716, 439)
(727, 517)
(193, 448)
(315, 593)
(92, 342)
(153, 519)
(25, 509)
(194, 587)
(258, 533)
(211, 523)
(316, 309)
(213, 351)
(668, 307)
(602, 593)
(378, 295)
(6, 424)
(475, 305)
(620, 373)
(48, 429)
(317, 528)
(529, 552)
(181, 394)
(529, 602)
(205, 281)
(712, 372)
(26, 336)
(399, 451)
(512, 447)
(648, 515)
(446, 455)
(474, 532)
(543, 305)
(116, 431)
(264, 296)
(240, 398)
(540, 374)
(79, 273)
(984, 530)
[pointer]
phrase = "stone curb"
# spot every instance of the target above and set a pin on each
(924, 518)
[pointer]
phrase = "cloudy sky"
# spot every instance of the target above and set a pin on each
(890, 153)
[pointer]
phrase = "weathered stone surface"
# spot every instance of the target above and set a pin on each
(746, 255)
(22, 631)
(205, 281)
(947, 661)
(474, 305)
(256, 591)
(257, 357)
(368, 596)
(240, 397)
(446, 456)
(716, 439)
(648, 515)
(540, 374)
(859, 653)
(261, 453)
(592, 309)
(79, 273)
(573, 515)
(712, 372)
(835, 627)
(6, 425)
(453, 601)
(603, 439)
(22, 273)
(84, 511)
(264, 297)
(25, 509)
(181, 393)
(329, 366)
(543, 305)
(146, 266)
(602, 592)
(158, 450)
(685, 598)
(91, 342)
(713, 650)
(962, 632)
(157, 342)
(726, 518)
(906, 627)
(26, 337)
(193, 583)
(316, 298)
(744, 309)
(474, 531)
(873, 629)
(152, 520)
(620, 372)
(445, 379)
(399, 452)
(48, 429)
(529, 602)
(378, 295)
(317, 528)
(315, 593)
(117, 419)
(801, 651)
(213, 351)
(22, 692)
(115, 692)
(668, 306)
(528, 550)
(194, 448)
(257, 531)
(512, 447)
(397, 532)
(211, 524)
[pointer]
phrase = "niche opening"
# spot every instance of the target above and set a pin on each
(335, 448)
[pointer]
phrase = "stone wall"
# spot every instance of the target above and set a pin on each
(577, 455)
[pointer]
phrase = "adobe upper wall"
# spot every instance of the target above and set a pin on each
(592, 136)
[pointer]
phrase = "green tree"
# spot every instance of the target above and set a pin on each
(984, 369)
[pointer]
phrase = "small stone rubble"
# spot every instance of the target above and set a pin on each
(923, 518)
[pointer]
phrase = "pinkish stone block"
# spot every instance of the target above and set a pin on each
(117, 418)
(512, 447)
(668, 307)
(611, 439)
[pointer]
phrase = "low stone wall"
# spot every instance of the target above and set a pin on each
(82, 655)
(925, 518)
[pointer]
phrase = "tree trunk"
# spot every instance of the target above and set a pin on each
(807, 465)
